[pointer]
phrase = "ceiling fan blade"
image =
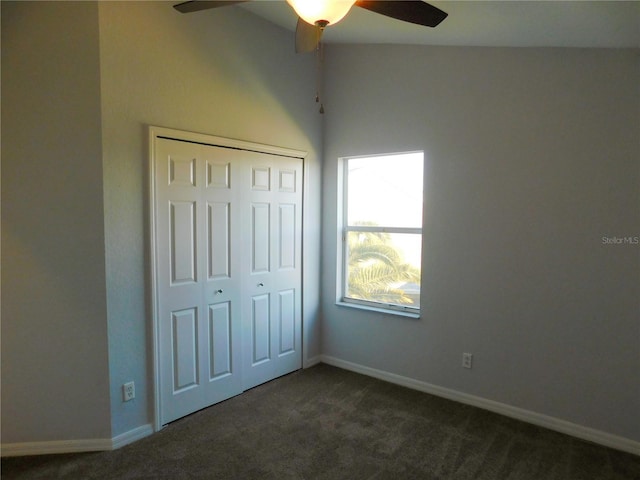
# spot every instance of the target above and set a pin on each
(413, 11)
(197, 5)
(307, 36)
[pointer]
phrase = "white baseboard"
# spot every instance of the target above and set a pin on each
(74, 446)
(131, 436)
(310, 362)
(56, 446)
(562, 426)
(552, 423)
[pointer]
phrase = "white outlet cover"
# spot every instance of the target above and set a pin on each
(128, 391)
(467, 359)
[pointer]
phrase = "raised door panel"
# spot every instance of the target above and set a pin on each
(182, 243)
(260, 237)
(218, 174)
(220, 341)
(182, 170)
(219, 240)
(185, 349)
(287, 236)
(261, 178)
(287, 180)
(260, 330)
(286, 322)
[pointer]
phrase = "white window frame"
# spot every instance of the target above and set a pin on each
(345, 228)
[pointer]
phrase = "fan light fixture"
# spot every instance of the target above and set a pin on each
(321, 12)
(315, 15)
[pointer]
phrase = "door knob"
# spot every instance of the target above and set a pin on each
(219, 291)
(261, 284)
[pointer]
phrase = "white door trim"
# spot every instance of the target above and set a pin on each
(163, 132)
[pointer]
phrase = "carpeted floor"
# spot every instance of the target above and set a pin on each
(328, 423)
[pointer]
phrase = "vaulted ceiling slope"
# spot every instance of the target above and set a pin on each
(582, 24)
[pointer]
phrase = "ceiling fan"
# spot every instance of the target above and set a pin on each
(315, 15)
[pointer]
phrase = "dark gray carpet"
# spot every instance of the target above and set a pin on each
(328, 423)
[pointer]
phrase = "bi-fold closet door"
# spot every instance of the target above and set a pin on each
(227, 229)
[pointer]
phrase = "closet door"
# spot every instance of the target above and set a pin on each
(198, 276)
(227, 225)
(272, 233)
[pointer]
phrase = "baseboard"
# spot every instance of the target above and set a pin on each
(310, 362)
(131, 436)
(552, 423)
(74, 446)
(56, 446)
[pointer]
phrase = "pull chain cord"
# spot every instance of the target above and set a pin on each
(319, 65)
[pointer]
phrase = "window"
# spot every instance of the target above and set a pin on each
(382, 231)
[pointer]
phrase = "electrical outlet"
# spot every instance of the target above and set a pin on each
(467, 360)
(128, 391)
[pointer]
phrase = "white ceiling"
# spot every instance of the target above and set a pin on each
(519, 23)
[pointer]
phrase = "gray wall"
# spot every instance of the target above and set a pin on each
(55, 379)
(532, 156)
(80, 83)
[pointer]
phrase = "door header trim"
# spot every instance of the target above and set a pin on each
(204, 139)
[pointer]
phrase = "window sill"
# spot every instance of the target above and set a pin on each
(389, 311)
